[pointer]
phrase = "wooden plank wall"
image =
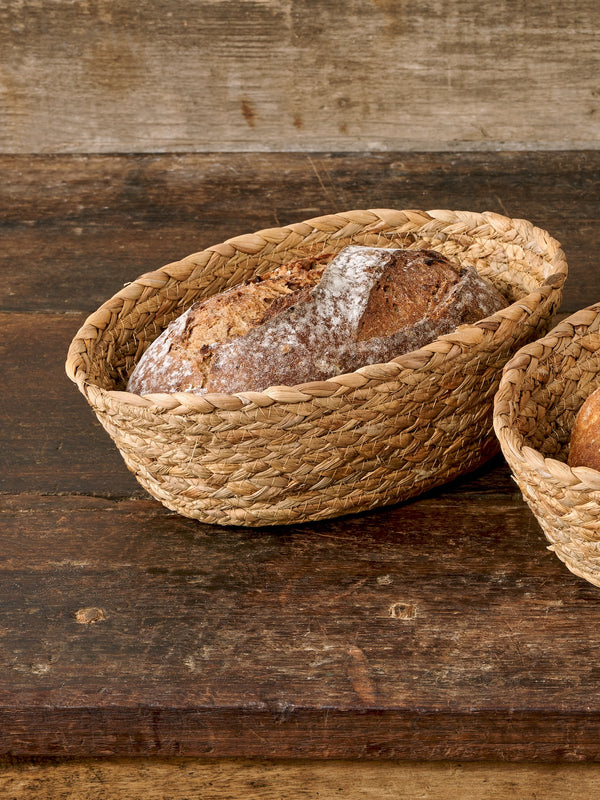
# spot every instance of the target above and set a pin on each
(130, 76)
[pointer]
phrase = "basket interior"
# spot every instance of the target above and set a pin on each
(552, 390)
(516, 272)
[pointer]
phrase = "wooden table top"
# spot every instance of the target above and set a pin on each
(441, 628)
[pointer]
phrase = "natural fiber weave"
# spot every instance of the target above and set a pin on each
(541, 391)
(372, 437)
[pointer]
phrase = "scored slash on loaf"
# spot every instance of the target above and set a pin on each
(313, 319)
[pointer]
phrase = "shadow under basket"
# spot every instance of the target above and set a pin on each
(541, 391)
(321, 449)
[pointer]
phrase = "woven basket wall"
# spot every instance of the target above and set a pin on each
(541, 391)
(372, 437)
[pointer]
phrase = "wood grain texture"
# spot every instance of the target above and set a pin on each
(223, 779)
(76, 228)
(441, 629)
(49, 440)
(199, 75)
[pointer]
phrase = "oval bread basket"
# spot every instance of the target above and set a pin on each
(372, 437)
(540, 393)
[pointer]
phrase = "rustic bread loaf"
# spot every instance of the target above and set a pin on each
(310, 320)
(584, 449)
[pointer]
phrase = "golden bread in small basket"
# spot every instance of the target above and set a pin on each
(367, 438)
(541, 392)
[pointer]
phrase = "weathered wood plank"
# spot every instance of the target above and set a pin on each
(75, 229)
(50, 441)
(147, 76)
(223, 779)
(438, 629)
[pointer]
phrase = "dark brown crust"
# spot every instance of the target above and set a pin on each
(281, 304)
(400, 298)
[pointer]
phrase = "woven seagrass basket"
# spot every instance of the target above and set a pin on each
(541, 391)
(368, 438)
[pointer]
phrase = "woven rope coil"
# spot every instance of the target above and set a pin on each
(320, 449)
(541, 391)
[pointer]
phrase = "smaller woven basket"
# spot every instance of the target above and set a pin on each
(541, 391)
(372, 437)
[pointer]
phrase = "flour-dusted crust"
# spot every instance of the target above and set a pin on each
(305, 322)
(180, 359)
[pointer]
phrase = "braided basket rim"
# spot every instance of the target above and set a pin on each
(522, 456)
(522, 232)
